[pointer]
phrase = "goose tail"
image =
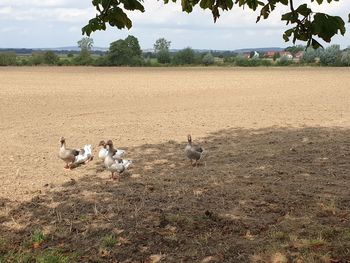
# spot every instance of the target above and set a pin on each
(127, 163)
(203, 154)
(118, 154)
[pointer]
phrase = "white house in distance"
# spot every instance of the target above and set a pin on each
(256, 55)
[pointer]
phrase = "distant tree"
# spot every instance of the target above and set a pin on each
(309, 55)
(331, 56)
(125, 52)
(241, 61)
(64, 62)
(134, 46)
(100, 61)
(345, 57)
(85, 44)
(70, 55)
(284, 61)
(50, 58)
(161, 48)
(208, 59)
(265, 62)
(8, 59)
(230, 59)
(37, 58)
(163, 56)
(149, 55)
(25, 62)
(295, 49)
(184, 56)
(118, 53)
(161, 44)
(276, 56)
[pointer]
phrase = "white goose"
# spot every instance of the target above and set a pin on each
(85, 155)
(115, 166)
(102, 154)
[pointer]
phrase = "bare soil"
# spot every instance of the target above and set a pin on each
(273, 188)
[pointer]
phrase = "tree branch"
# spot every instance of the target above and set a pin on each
(291, 6)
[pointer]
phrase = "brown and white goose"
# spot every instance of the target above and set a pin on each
(103, 151)
(66, 154)
(194, 152)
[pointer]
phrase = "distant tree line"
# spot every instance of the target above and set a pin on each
(127, 52)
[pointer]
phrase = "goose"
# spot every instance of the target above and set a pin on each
(194, 152)
(66, 154)
(103, 152)
(84, 156)
(115, 166)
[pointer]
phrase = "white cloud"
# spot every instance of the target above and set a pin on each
(170, 16)
(47, 14)
(39, 3)
(7, 10)
(72, 14)
(234, 29)
(7, 29)
(74, 29)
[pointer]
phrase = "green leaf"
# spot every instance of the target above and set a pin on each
(265, 11)
(284, 2)
(315, 44)
(206, 4)
(326, 26)
(118, 18)
(306, 23)
(133, 5)
(253, 4)
(287, 16)
(303, 10)
(229, 4)
(105, 3)
(287, 34)
(186, 6)
(96, 2)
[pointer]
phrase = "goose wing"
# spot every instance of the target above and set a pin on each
(197, 148)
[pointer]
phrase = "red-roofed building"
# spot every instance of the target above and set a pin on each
(286, 54)
(270, 54)
(299, 55)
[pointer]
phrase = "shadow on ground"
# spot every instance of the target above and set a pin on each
(262, 195)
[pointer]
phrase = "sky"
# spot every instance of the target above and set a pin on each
(58, 23)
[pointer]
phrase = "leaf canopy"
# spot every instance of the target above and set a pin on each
(307, 25)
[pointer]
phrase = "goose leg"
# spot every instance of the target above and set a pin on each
(71, 166)
(66, 166)
(88, 159)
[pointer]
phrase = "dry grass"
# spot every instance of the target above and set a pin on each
(274, 187)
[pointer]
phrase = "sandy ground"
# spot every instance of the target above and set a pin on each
(137, 106)
(279, 149)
